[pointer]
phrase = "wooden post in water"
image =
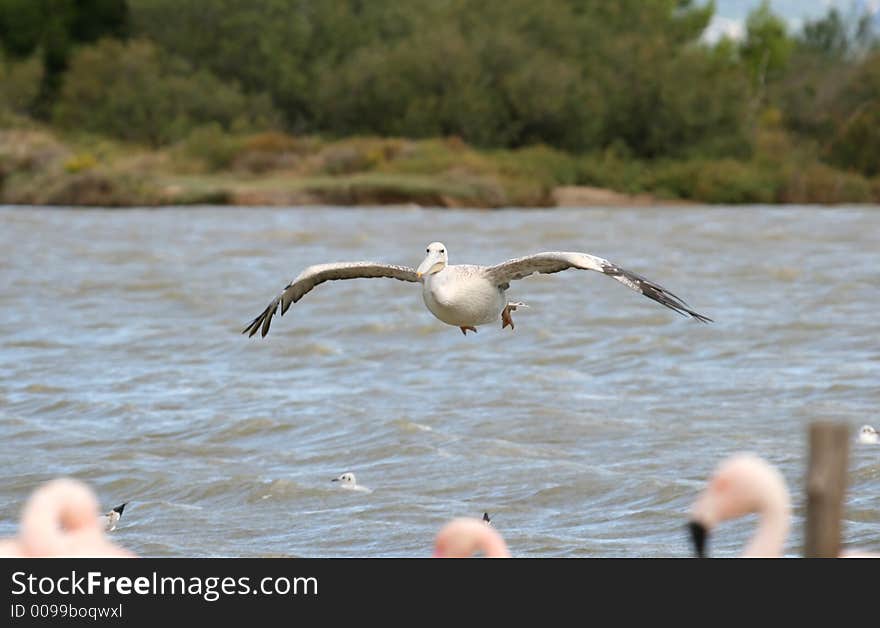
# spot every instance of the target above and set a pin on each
(826, 487)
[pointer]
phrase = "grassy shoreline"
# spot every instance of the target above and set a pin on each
(38, 166)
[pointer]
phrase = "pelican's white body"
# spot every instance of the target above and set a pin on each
(462, 296)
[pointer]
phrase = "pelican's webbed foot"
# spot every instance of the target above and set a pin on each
(465, 330)
(506, 319)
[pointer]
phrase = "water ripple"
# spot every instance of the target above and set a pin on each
(586, 432)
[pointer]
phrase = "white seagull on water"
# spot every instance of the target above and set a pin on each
(465, 295)
(869, 436)
(348, 481)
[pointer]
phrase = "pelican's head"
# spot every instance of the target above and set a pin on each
(742, 484)
(346, 479)
(434, 261)
(868, 434)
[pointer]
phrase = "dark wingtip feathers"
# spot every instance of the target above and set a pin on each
(250, 328)
(261, 322)
(653, 291)
(700, 317)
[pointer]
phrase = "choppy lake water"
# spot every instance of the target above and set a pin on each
(587, 431)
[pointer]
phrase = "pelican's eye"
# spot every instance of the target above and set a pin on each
(442, 251)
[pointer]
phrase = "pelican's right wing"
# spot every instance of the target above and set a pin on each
(314, 275)
(557, 261)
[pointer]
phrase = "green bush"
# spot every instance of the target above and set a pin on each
(135, 92)
(857, 146)
(612, 170)
(819, 183)
(20, 81)
(491, 87)
(541, 163)
(211, 145)
(717, 181)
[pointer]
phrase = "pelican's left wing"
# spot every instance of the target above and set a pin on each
(557, 261)
(315, 275)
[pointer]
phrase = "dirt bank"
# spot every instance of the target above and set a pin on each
(586, 196)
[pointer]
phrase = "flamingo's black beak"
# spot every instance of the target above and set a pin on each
(699, 535)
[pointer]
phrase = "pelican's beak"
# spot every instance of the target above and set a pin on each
(335, 480)
(699, 535)
(428, 264)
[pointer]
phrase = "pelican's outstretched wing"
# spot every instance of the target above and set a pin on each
(313, 275)
(557, 261)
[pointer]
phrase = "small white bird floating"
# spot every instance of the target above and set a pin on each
(111, 518)
(869, 436)
(465, 295)
(349, 482)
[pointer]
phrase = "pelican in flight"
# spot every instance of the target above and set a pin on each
(465, 295)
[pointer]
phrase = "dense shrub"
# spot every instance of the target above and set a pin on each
(20, 81)
(856, 141)
(819, 183)
(715, 181)
(572, 74)
(134, 91)
(857, 145)
(210, 145)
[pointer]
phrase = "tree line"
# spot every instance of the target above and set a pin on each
(633, 78)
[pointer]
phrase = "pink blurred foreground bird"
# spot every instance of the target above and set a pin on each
(464, 537)
(741, 485)
(61, 519)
